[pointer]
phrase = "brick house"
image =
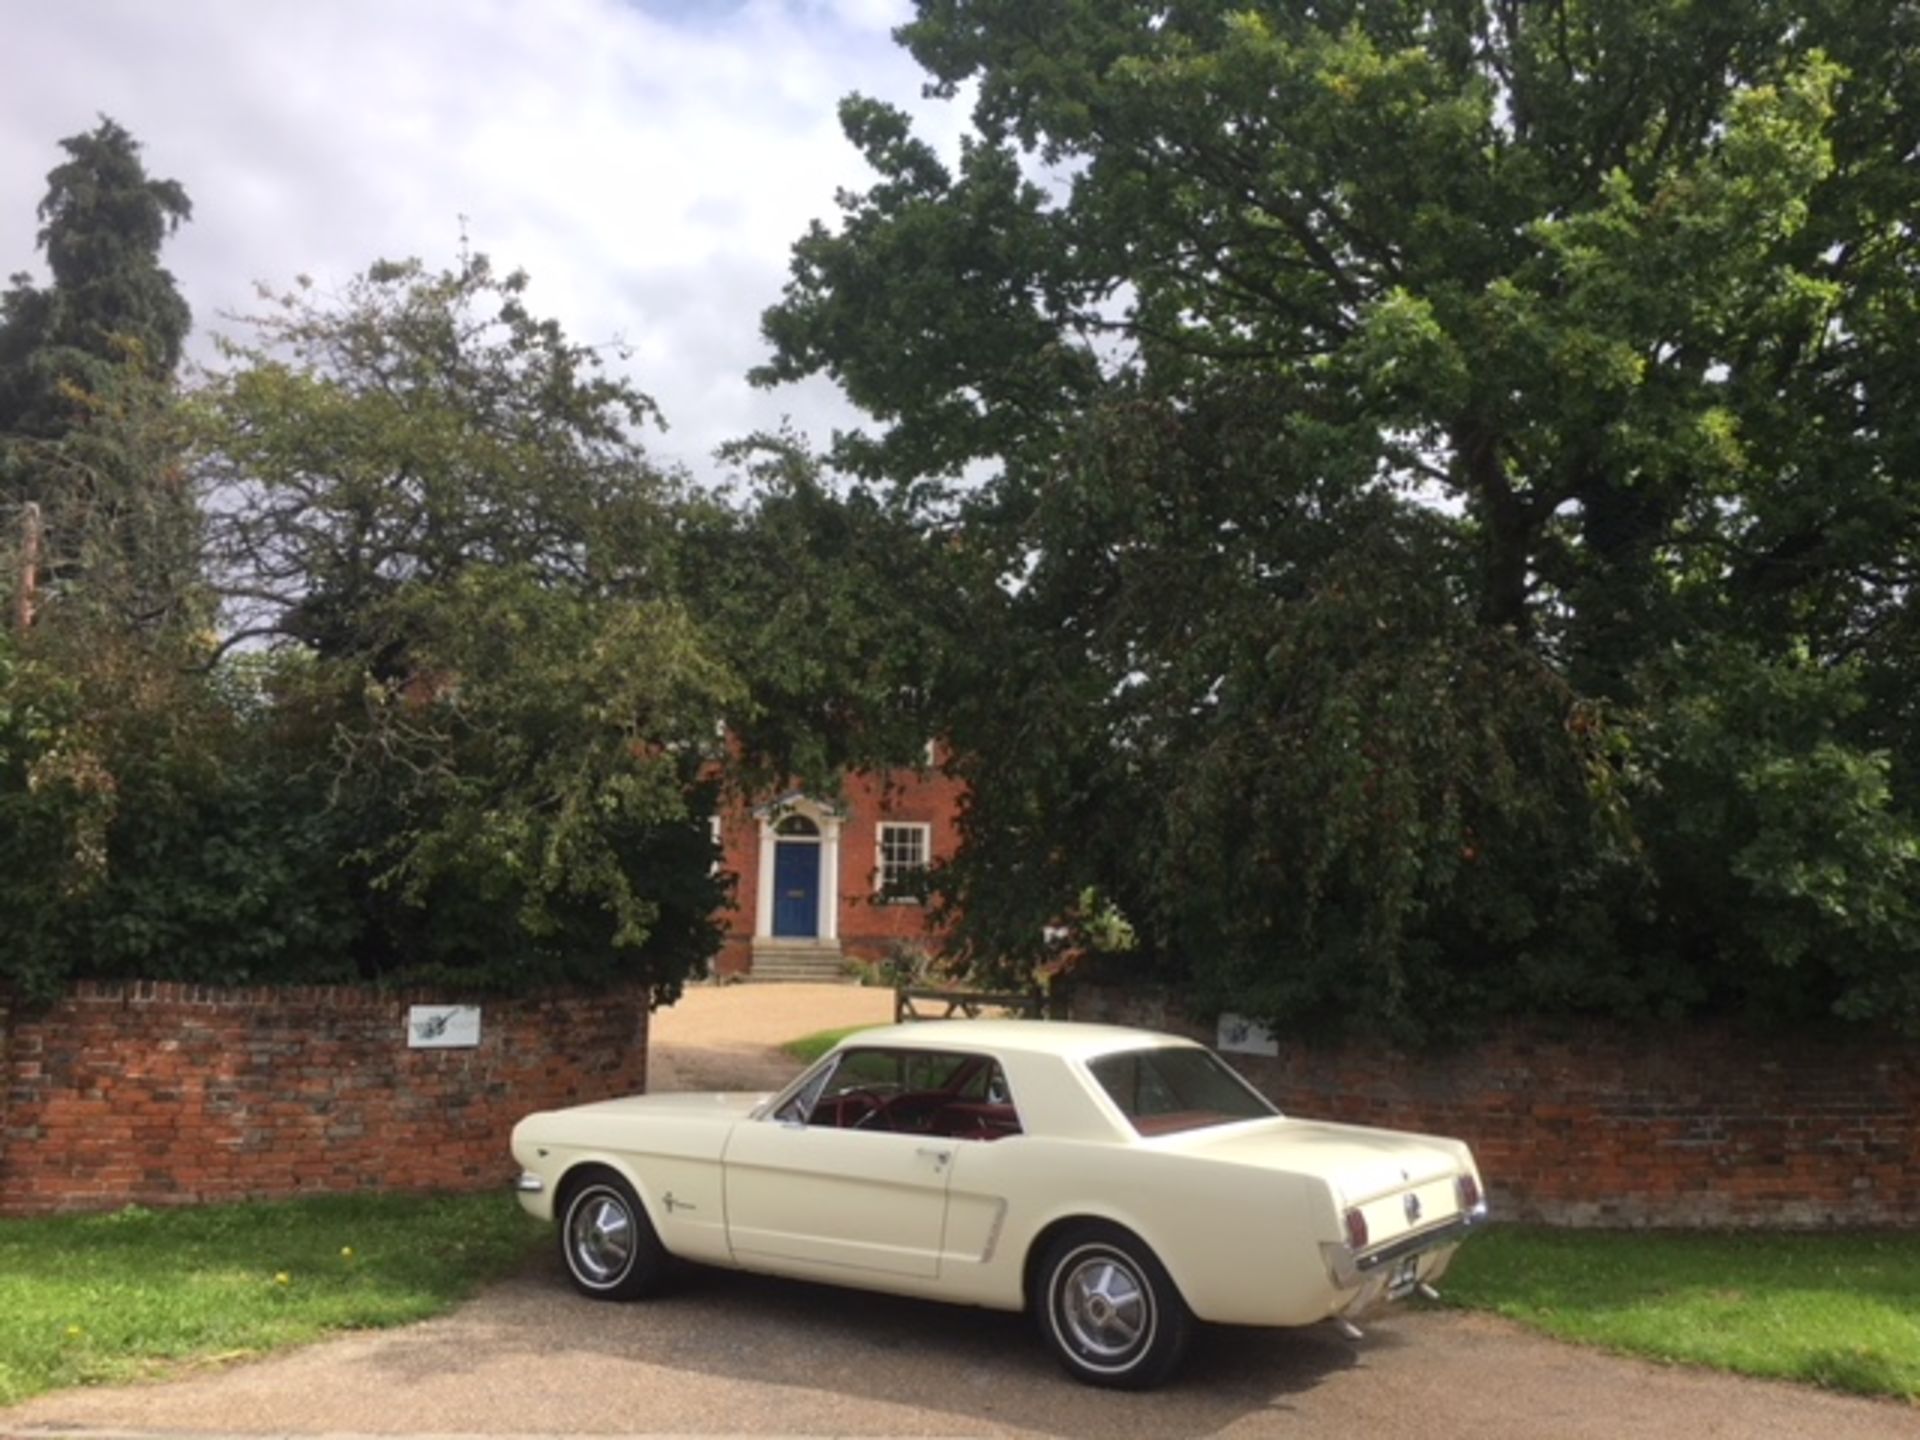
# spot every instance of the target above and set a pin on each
(819, 880)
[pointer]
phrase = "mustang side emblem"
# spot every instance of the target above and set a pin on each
(673, 1204)
(1413, 1208)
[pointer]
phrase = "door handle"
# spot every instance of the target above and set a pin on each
(939, 1157)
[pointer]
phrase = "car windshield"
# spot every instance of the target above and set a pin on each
(1177, 1088)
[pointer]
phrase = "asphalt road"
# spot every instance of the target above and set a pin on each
(733, 1355)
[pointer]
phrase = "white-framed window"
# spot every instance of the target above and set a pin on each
(902, 851)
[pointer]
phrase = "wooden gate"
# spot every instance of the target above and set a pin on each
(912, 1002)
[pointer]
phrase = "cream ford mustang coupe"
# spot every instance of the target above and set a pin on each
(1117, 1183)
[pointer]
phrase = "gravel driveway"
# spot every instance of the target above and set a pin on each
(738, 1355)
(727, 1037)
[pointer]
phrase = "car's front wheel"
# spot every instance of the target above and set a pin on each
(608, 1244)
(1109, 1310)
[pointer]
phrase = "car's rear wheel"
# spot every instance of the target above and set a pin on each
(1109, 1310)
(609, 1246)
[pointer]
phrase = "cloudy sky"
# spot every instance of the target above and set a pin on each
(648, 161)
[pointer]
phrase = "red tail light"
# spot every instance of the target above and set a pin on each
(1469, 1189)
(1356, 1230)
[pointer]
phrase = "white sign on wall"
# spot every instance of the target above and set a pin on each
(1242, 1036)
(442, 1027)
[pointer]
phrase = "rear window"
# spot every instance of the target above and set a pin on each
(1179, 1088)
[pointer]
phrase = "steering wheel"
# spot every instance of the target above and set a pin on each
(911, 1112)
(874, 1102)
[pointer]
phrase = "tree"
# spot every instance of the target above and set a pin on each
(159, 822)
(829, 602)
(437, 513)
(413, 428)
(1271, 736)
(86, 393)
(120, 534)
(102, 224)
(459, 728)
(1627, 287)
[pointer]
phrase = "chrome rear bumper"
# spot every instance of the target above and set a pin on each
(1350, 1270)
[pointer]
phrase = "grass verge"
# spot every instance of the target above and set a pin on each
(1840, 1311)
(809, 1048)
(100, 1298)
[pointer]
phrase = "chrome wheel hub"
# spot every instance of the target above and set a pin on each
(1104, 1307)
(601, 1236)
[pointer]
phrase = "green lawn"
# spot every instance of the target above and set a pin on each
(1841, 1311)
(811, 1047)
(89, 1299)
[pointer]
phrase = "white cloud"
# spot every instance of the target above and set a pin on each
(649, 165)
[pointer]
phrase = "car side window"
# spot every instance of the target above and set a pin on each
(908, 1091)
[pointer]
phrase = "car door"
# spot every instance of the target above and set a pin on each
(821, 1198)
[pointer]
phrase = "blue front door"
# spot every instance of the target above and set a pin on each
(796, 887)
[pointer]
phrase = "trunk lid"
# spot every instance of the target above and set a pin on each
(1400, 1182)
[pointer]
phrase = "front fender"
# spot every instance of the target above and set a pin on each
(672, 1166)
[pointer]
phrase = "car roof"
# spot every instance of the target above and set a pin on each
(1070, 1038)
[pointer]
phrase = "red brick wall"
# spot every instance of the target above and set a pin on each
(865, 800)
(167, 1094)
(1600, 1124)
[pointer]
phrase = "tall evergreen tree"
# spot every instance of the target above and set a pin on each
(87, 419)
(102, 224)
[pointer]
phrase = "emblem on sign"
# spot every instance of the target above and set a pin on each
(442, 1027)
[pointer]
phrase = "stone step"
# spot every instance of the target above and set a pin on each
(795, 980)
(773, 970)
(813, 962)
